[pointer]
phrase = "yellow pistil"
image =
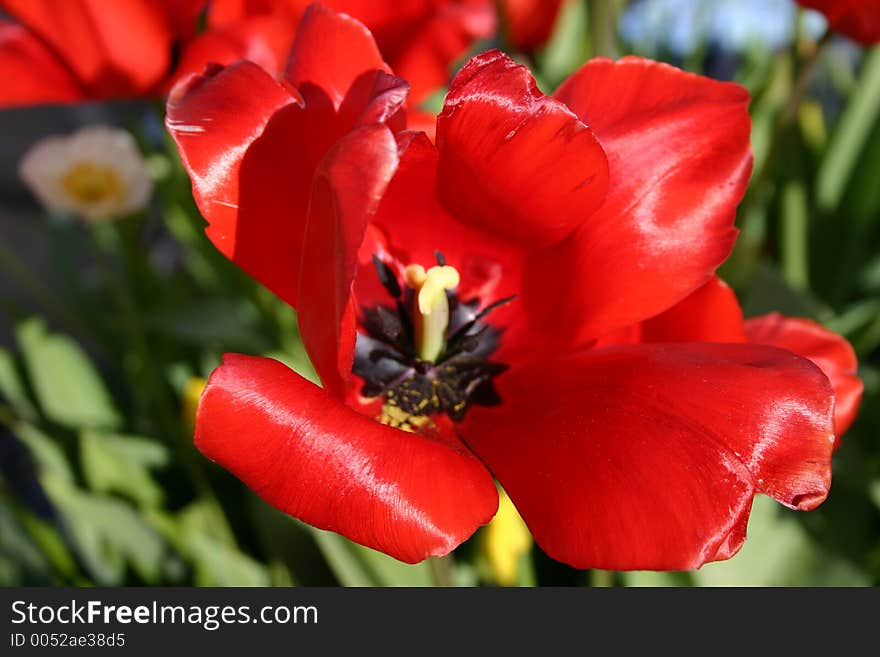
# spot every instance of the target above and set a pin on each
(88, 182)
(432, 311)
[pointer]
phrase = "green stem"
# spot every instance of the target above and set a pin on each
(763, 176)
(602, 578)
(794, 233)
(19, 272)
(162, 399)
(602, 16)
(441, 571)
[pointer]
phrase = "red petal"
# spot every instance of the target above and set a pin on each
(858, 19)
(415, 225)
(30, 72)
(679, 154)
(831, 352)
(216, 120)
(330, 52)
(647, 456)
(528, 23)
(306, 453)
(711, 314)
(423, 47)
(119, 48)
(183, 16)
(347, 189)
(265, 41)
(512, 160)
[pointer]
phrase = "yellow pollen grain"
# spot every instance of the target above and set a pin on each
(397, 418)
(88, 182)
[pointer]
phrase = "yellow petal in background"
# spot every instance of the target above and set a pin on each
(506, 541)
(190, 401)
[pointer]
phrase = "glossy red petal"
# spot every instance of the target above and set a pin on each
(711, 314)
(216, 120)
(529, 23)
(678, 149)
(304, 452)
(347, 189)
(266, 41)
(513, 161)
(116, 49)
(330, 52)
(831, 352)
(31, 72)
(647, 456)
(857, 19)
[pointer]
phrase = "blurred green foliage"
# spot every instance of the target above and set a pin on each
(100, 483)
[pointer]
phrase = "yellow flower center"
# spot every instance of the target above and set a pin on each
(88, 182)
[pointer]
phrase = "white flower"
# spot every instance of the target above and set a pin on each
(97, 173)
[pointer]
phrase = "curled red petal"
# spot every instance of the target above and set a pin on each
(512, 160)
(306, 453)
(347, 189)
(711, 314)
(331, 51)
(115, 49)
(857, 19)
(215, 119)
(832, 353)
(31, 72)
(647, 456)
(679, 156)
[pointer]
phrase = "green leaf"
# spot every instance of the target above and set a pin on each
(853, 130)
(650, 578)
(68, 387)
(107, 534)
(47, 454)
(779, 552)
(122, 464)
(768, 292)
(12, 387)
(356, 565)
(216, 562)
(24, 559)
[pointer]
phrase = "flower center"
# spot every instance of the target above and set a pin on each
(429, 353)
(88, 182)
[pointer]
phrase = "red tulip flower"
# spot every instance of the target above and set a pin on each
(857, 19)
(80, 50)
(454, 297)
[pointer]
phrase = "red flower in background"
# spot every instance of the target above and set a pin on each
(89, 49)
(857, 19)
(529, 23)
(547, 235)
(420, 39)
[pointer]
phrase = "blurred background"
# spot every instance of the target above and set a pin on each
(108, 329)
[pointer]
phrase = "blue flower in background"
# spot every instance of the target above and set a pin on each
(681, 26)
